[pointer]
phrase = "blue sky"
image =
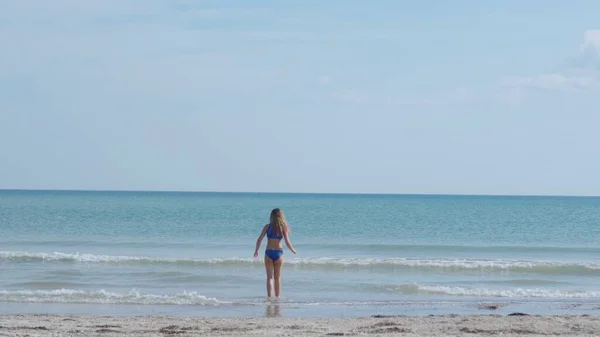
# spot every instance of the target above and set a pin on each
(460, 97)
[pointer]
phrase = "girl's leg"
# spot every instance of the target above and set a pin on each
(278, 265)
(269, 269)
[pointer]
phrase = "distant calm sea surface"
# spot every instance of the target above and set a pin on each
(191, 253)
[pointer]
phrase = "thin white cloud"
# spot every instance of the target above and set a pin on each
(352, 95)
(576, 78)
(551, 82)
(591, 41)
(462, 95)
(149, 57)
(413, 101)
(511, 95)
(74, 10)
(376, 97)
(77, 9)
(510, 89)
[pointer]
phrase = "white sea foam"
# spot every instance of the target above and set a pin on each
(78, 257)
(545, 293)
(105, 297)
(544, 267)
(72, 296)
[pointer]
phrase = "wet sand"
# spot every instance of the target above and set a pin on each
(446, 325)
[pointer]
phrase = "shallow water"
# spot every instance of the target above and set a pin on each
(190, 253)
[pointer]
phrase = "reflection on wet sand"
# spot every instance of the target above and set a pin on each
(273, 310)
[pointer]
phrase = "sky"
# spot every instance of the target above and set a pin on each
(432, 97)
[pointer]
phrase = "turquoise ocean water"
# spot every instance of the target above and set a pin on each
(191, 253)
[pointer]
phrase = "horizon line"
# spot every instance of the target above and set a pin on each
(298, 193)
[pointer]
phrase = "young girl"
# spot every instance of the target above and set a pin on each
(275, 230)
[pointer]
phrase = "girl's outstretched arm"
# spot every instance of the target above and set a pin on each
(288, 242)
(259, 240)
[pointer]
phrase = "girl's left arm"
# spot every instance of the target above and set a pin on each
(259, 240)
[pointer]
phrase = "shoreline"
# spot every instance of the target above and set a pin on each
(514, 324)
(270, 309)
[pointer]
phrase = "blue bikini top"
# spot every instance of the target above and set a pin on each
(271, 234)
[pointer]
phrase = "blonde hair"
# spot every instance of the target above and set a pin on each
(278, 221)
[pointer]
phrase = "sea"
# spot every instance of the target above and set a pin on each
(188, 253)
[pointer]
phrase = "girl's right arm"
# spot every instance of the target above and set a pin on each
(289, 243)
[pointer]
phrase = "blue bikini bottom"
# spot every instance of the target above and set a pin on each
(274, 254)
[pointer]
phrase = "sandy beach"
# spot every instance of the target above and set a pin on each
(447, 325)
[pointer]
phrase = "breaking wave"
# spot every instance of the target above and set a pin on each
(492, 265)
